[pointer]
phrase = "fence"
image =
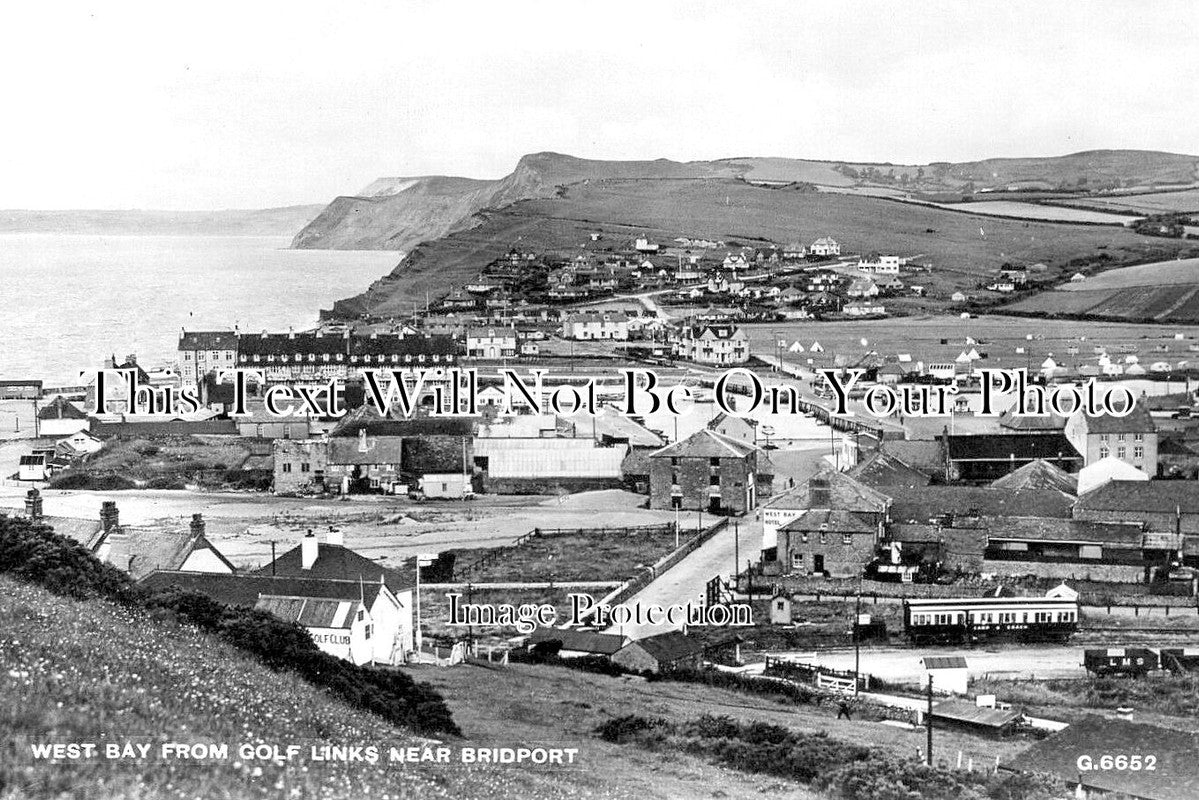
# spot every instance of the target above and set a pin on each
(647, 576)
(822, 677)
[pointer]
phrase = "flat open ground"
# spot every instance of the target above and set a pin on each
(997, 336)
(1149, 203)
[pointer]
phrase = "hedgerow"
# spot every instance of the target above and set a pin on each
(33, 552)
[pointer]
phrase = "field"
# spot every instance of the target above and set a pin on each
(997, 336)
(1166, 291)
(1161, 273)
(738, 213)
(589, 555)
(1151, 203)
(1007, 208)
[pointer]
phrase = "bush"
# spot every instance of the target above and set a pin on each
(627, 728)
(100, 481)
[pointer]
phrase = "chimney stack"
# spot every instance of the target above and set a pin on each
(335, 537)
(197, 526)
(109, 517)
(33, 504)
(308, 551)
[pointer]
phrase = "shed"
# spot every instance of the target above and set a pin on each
(576, 643)
(661, 653)
(975, 718)
(949, 674)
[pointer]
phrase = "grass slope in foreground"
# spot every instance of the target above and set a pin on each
(73, 671)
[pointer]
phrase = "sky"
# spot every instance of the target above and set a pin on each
(261, 104)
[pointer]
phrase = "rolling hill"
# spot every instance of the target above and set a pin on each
(964, 250)
(398, 213)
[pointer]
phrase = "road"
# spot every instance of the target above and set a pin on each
(687, 580)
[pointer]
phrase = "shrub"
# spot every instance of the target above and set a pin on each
(100, 481)
(624, 729)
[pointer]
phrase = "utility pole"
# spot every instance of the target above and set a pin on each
(736, 550)
(928, 723)
(857, 643)
(272, 558)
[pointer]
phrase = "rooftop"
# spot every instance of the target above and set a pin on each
(1039, 474)
(246, 590)
(1152, 496)
(669, 647)
(918, 504)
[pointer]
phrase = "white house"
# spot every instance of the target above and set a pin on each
(452, 485)
(713, 342)
(864, 309)
(949, 674)
(883, 265)
(863, 287)
(590, 325)
(491, 342)
(825, 246)
(60, 417)
(645, 246)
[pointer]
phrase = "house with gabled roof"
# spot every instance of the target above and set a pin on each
(665, 652)
(140, 550)
(710, 472)
(360, 619)
(1131, 438)
(827, 490)
(61, 417)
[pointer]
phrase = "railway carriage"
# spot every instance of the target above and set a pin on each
(979, 619)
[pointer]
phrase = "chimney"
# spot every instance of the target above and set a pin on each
(33, 504)
(308, 551)
(197, 526)
(109, 517)
(335, 537)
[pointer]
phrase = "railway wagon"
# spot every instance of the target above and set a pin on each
(980, 619)
(1126, 661)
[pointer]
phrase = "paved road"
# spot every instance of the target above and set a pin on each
(688, 579)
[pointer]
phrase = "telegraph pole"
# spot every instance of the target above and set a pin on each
(928, 723)
(857, 643)
(736, 550)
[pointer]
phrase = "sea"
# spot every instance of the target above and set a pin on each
(68, 301)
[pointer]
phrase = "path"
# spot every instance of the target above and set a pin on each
(687, 580)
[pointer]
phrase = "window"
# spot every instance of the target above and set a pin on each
(1121, 451)
(361, 614)
(305, 467)
(369, 630)
(1138, 452)
(1103, 437)
(674, 461)
(714, 462)
(1119, 437)
(286, 467)
(846, 538)
(1103, 451)
(1138, 437)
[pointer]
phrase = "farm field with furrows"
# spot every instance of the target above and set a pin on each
(1164, 291)
(1159, 273)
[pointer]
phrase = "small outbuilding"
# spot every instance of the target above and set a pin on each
(665, 652)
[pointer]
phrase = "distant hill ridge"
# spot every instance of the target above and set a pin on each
(398, 213)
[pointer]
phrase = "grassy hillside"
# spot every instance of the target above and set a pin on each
(96, 672)
(398, 213)
(732, 210)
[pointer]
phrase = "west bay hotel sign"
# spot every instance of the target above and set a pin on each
(737, 392)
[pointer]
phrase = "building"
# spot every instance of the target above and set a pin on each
(874, 309)
(1107, 469)
(316, 357)
(33, 467)
(300, 465)
(361, 620)
(1039, 474)
(1066, 549)
(829, 542)
(665, 652)
(20, 390)
(879, 265)
(977, 717)
(491, 342)
(709, 472)
(827, 490)
(949, 674)
(862, 287)
(367, 453)
(986, 457)
(258, 423)
(61, 417)
(595, 325)
(1175, 773)
(1132, 439)
(540, 453)
(881, 469)
(824, 247)
(202, 352)
(575, 643)
(712, 341)
(142, 550)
